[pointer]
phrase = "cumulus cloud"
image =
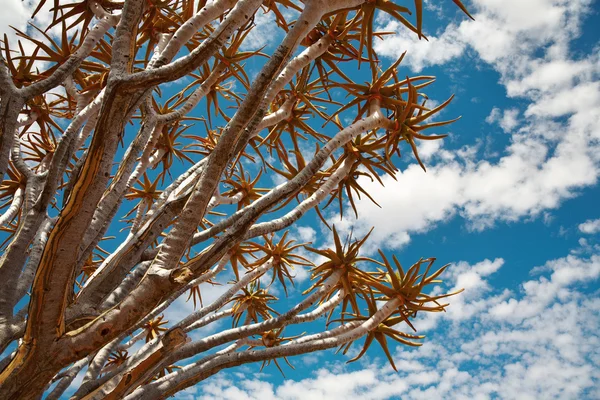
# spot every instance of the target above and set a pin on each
(15, 13)
(502, 29)
(554, 147)
(580, 99)
(507, 119)
(523, 183)
(264, 33)
(429, 148)
(550, 354)
(421, 53)
(590, 226)
(540, 293)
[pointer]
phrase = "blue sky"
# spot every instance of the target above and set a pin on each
(510, 200)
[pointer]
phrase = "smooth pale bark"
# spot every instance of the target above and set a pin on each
(13, 209)
(167, 386)
(11, 103)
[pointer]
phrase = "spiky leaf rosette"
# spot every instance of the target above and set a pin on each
(242, 183)
(407, 115)
(274, 338)
(154, 327)
(9, 187)
(116, 358)
(410, 287)
(382, 332)
(283, 255)
(354, 281)
(238, 255)
(253, 302)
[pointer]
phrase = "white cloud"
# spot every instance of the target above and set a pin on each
(550, 75)
(494, 116)
(182, 307)
(306, 234)
(429, 148)
(580, 99)
(420, 53)
(507, 119)
(551, 354)
(540, 293)
(523, 183)
(590, 226)
(264, 33)
(14, 13)
(548, 159)
(471, 302)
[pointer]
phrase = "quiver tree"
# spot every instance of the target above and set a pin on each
(93, 140)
